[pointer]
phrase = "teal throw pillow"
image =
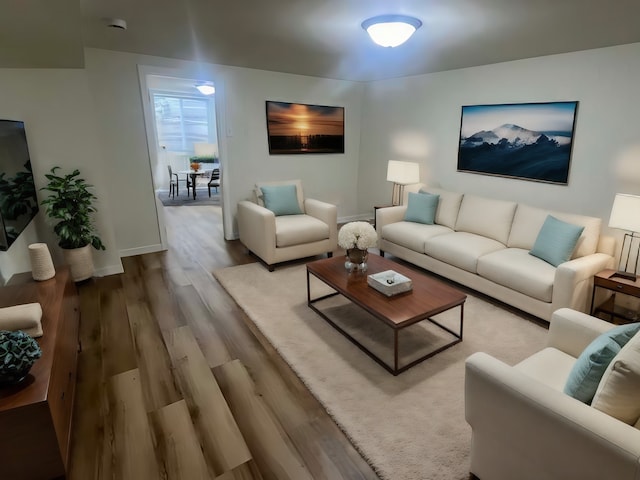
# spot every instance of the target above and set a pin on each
(586, 373)
(281, 199)
(556, 241)
(421, 208)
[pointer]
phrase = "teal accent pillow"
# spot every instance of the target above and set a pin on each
(587, 372)
(421, 208)
(556, 241)
(281, 199)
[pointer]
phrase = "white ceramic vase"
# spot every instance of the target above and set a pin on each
(80, 261)
(41, 264)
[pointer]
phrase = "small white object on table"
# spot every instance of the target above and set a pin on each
(389, 282)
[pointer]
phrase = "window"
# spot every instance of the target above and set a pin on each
(183, 120)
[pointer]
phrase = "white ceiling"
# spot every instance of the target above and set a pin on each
(312, 37)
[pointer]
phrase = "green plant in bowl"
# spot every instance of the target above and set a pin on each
(18, 353)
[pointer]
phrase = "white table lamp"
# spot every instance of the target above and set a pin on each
(625, 215)
(401, 174)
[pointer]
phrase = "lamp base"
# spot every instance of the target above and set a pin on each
(625, 275)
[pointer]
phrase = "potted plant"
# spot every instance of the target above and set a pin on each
(18, 352)
(70, 203)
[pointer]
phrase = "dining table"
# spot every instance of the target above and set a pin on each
(193, 174)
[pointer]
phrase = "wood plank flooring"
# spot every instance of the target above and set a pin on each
(148, 405)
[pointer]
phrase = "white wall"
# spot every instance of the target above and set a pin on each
(418, 119)
(57, 109)
(240, 108)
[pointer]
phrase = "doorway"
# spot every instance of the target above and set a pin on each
(182, 127)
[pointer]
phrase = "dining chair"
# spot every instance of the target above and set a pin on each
(215, 180)
(173, 182)
(204, 180)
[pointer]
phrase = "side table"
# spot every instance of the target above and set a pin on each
(607, 280)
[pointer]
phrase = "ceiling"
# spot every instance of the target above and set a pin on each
(312, 37)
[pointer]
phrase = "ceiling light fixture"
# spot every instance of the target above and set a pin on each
(206, 88)
(391, 30)
(117, 23)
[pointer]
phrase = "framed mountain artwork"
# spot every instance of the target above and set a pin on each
(529, 141)
(300, 128)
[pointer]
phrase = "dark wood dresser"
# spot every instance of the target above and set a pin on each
(35, 416)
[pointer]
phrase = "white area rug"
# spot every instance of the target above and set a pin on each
(409, 427)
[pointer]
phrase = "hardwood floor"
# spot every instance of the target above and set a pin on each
(175, 382)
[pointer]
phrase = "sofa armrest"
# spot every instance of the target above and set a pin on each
(527, 430)
(573, 280)
(571, 331)
(257, 229)
(387, 215)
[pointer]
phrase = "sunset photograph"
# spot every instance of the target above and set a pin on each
(299, 128)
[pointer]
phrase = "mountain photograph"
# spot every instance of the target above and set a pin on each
(530, 141)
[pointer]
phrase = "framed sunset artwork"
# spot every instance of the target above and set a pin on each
(294, 128)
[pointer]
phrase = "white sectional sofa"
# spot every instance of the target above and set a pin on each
(525, 427)
(484, 244)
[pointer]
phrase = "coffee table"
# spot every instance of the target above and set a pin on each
(428, 297)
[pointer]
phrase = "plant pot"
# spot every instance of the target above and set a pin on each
(356, 260)
(80, 261)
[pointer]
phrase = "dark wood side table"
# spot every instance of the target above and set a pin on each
(607, 280)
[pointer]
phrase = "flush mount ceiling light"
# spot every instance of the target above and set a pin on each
(206, 88)
(391, 30)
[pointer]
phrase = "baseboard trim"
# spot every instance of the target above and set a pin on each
(130, 252)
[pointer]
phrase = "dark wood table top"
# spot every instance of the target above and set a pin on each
(428, 297)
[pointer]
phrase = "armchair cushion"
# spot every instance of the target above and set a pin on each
(593, 361)
(281, 199)
(299, 229)
(618, 393)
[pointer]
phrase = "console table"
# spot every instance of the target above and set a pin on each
(35, 416)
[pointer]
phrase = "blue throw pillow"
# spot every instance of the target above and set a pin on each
(421, 208)
(556, 241)
(587, 372)
(281, 199)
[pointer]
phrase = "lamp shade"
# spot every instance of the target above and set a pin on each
(625, 213)
(403, 173)
(391, 30)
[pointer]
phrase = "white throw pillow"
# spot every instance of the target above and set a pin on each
(618, 393)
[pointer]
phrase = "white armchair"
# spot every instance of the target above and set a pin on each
(276, 239)
(525, 427)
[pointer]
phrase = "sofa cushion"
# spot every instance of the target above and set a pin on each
(618, 393)
(281, 199)
(549, 366)
(590, 366)
(516, 269)
(412, 235)
(448, 205)
(421, 208)
(556, 241)
(299, 229)
(528, 221)
(461, 249)
(486, 217)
